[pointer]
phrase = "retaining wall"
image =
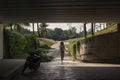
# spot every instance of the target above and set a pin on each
(102, 47)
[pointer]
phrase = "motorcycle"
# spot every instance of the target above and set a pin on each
(32, 61)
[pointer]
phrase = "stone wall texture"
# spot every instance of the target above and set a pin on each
(102, 47)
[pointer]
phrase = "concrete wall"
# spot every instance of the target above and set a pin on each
(103, 47)
(1, 41)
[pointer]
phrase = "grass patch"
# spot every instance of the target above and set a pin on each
(109, 29)
(45, 45)
(44, 56)
(73, 46)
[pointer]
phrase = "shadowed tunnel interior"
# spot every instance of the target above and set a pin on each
(60, 11)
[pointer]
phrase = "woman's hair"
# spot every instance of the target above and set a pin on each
(62, 43)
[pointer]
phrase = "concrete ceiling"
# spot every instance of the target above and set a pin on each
(60, 10)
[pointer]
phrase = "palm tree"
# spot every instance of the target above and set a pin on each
(43, 29)
(33, 28)
(49, 33)
(9, 25)
(16, 26)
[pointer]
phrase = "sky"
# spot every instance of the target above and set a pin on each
(58, 25)
(64, 26)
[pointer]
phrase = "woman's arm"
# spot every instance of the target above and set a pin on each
(65, 49)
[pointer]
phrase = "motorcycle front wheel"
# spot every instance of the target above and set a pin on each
(36, 67)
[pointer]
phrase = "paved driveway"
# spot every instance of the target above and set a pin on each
(71, 70)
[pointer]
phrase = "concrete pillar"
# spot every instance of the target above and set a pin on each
(118, 26)
(1, 41)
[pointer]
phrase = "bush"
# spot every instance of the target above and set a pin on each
(44, 56)
(17, 45)
(45, 46)
(30, 42)
(44, 42)
(78, 47)
(74, 47)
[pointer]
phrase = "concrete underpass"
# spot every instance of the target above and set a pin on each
(65, 11)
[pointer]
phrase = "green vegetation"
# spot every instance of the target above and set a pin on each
(19, 40)
(74, 44)
(18, 44)
(43, 53)
(59, 34)
(45, 45)
(21, 44)
(30, 42)
(109, 29)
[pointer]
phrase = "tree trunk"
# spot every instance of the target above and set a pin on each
(94, 26)
(33, 28)
(92, 29)
(37, 40)
(45, 33)
(85, 32)
(38, 30)
(100, 26)
(103, 25)
(35, 45)
(11, 28)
